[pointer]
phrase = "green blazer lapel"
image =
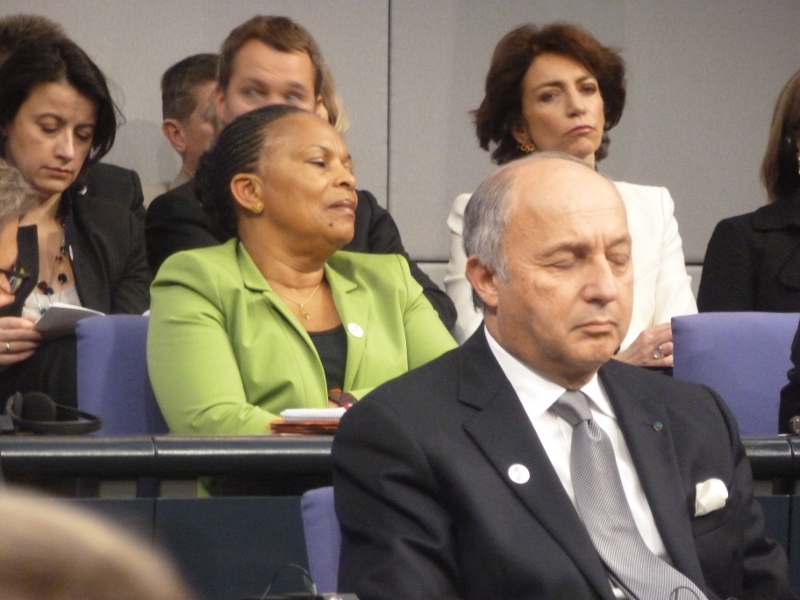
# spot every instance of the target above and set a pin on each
(645, 424)
(254, 281)
(503, 432)
(353, 303)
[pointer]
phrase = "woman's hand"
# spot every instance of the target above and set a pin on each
(653, 348)
(18, 339)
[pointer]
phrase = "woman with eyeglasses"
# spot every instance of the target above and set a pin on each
(16, 198)
(57, 118)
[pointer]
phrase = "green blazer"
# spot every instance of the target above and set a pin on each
(226, 355)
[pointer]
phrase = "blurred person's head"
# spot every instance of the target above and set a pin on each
(16, 198)
(57, 117)
(187, 90)
(20, 30)
(551, 89)
(50, 550)
(779, 170)
(273, 60)
(280, 177)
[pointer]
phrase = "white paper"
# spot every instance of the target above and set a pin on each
(60, 319)
(312, 414)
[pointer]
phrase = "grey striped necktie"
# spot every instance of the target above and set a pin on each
(605, 511)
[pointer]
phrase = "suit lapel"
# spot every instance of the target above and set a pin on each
(503, 432)
(351, 301)
(353, 305)
(645, 425)
(253, 280)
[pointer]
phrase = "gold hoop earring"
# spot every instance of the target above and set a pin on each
(527, 148)
(257, 208)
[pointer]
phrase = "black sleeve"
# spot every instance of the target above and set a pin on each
(790, 395)
(119, 184)
(131, 294)
(383, 237)
(397, 537)
(729, 271)
(137, 205)
(764, 565)
(173, 223)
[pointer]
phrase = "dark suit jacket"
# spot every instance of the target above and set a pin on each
(111, 182)
(428, 511)
(790, 395)
(176, 221)
(753, 261)
(106, 243)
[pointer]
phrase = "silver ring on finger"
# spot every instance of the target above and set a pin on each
(8, 348)
(658, 353)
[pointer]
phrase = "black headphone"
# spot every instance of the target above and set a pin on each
(36, 412)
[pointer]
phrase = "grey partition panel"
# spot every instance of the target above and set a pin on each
(776, 518)
(135, 42)
(230, 548)
(794, 543)
(703, 77)
(134, 514)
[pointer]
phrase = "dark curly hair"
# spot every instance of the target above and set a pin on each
(237, 150)
(501, 108)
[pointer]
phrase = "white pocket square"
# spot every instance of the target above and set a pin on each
(710, 495)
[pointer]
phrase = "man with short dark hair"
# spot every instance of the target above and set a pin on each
(273, 60)
(526, 463)
(187, 89)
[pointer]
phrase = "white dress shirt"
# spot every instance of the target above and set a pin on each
(537, 395)
(661, 287)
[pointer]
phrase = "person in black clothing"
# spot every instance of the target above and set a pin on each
(102, 180)
(790, 394)
(752, 262)
(297, 76)
(57, 118)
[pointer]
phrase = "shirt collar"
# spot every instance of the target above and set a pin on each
(537, 393)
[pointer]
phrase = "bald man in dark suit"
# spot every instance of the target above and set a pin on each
(466, 478)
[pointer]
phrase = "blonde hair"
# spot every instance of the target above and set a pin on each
(285, 35)
(53, 551)
(16, 196)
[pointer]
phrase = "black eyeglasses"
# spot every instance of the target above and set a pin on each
(16, 276)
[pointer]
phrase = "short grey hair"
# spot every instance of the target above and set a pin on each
(486, 215)
(16, 196)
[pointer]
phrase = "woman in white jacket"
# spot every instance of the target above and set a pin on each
(559, 89)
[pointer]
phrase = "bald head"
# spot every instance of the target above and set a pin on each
(486, 215)
(555, 278)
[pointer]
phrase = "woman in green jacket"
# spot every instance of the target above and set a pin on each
(277, 317)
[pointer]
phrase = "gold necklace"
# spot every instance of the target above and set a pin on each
(303, 312)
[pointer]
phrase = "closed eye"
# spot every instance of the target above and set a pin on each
(84, 136)
(564, 263)
(589, 89)
(252, 93)
(547, 96)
